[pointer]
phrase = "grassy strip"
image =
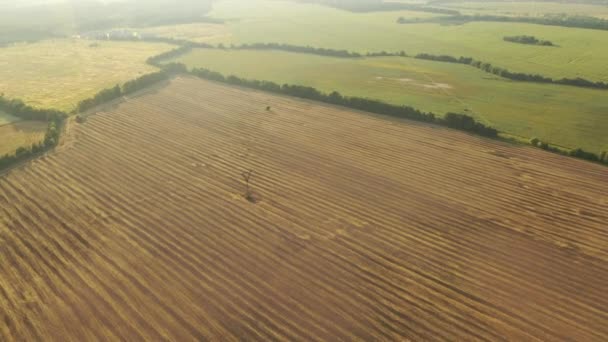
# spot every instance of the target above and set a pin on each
(186, 46)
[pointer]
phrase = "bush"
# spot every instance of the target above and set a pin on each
(534, 141)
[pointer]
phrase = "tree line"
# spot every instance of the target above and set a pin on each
(129, 87)
(530, 40)
(298, 49)
(19, 109)
(576, 21)
(516, 76)
(487, 67)
(550, 20)
(576, 153)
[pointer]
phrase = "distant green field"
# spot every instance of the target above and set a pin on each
(196, 32)
(581, 52)
(59, 73)
(568, 116)
(527, 8)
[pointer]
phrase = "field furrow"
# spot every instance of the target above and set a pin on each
(364, 228)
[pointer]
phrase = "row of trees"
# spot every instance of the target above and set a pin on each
(516, 76)
(298, 49)
(156, 60)
(457, 121)
(576, 153)
(530, 40)
(19, 109)
(550, 20)
(487, 67)
(186, 46)
(110, 94)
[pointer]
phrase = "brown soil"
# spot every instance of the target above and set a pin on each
(366, 229)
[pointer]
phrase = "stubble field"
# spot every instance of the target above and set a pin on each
(365, 229)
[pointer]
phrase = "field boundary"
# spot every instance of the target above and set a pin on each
(457, 121)
(601, 157)
(582, 22)
(185, 46)
(57, 119)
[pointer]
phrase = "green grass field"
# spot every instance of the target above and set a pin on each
(581, 52)
(59, 73)
(568, 116)
(527, 8)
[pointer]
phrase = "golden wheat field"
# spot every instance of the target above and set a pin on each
(365, 228)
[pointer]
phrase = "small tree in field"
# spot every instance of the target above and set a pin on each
(534, 141)
(248, 193)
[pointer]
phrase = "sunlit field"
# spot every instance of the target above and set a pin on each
(581, 52)
(60, 73)
(531, 8)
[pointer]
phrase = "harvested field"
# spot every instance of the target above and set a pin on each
(365, 229)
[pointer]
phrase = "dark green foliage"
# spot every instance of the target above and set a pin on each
(464, 122)
(386, 54)
(18, 108)
(534, 141)
(103, 96)
(144, 81)
(299, 49)
(582, 154)
(530, 40)
(156, 60)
